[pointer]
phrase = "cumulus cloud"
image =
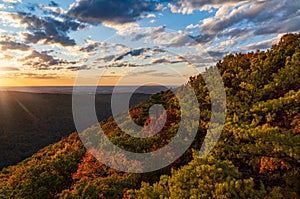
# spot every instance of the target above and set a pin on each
(260, 13)
(46, 30)
(112, 11)
(239, 21)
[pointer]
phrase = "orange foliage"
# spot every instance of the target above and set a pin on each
(268, 164)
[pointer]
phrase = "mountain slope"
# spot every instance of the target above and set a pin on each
(258, 151)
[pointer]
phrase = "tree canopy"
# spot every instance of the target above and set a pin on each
(257, 155)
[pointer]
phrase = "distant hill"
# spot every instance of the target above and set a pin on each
(31, 121)
(257, 155)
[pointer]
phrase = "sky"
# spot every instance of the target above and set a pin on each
(132, 42)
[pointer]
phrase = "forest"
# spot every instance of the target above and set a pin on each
(257, 155)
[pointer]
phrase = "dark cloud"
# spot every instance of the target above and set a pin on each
(134, 53)
(106, 58)
(289, 25)
(217, 55)
(53, 4)
(77, 68)
(48, 29)
(146, 52)
(119, 64)
(90, 48)
(112, 11)
(203, 38)
(165, 61)
(140, 53)
(11, 45)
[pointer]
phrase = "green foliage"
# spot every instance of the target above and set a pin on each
(202, 178)
(257, 155)
(261, 136)
(45, 174)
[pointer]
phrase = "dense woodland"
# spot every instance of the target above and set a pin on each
(31, 121)
(257, 155)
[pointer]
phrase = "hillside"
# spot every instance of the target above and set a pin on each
(257, 155)
(31, 121)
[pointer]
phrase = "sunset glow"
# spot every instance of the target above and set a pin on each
(47, 42)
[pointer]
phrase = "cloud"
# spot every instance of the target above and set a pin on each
(180, 40)
(149, 16)
(260, 45)
(192, 26)
(106, 58)
(35, 75)
(160, 36)
(288, 25)
(253, 12)
(152, 72)
(46, 30)
(217, 55)
(141, 33)
(30, 75)
(12, 1)
(152, 21)
(242, 21)
(188, 6)
(122, 63)
(77, 68)
(141, 53)
(53, 4)
(165, 61)
(42, 61)
(8, 69)
(203, 38)
(51, 9)
(112, 11)
(11, 45)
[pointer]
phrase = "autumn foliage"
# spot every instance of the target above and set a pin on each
(257, 155)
